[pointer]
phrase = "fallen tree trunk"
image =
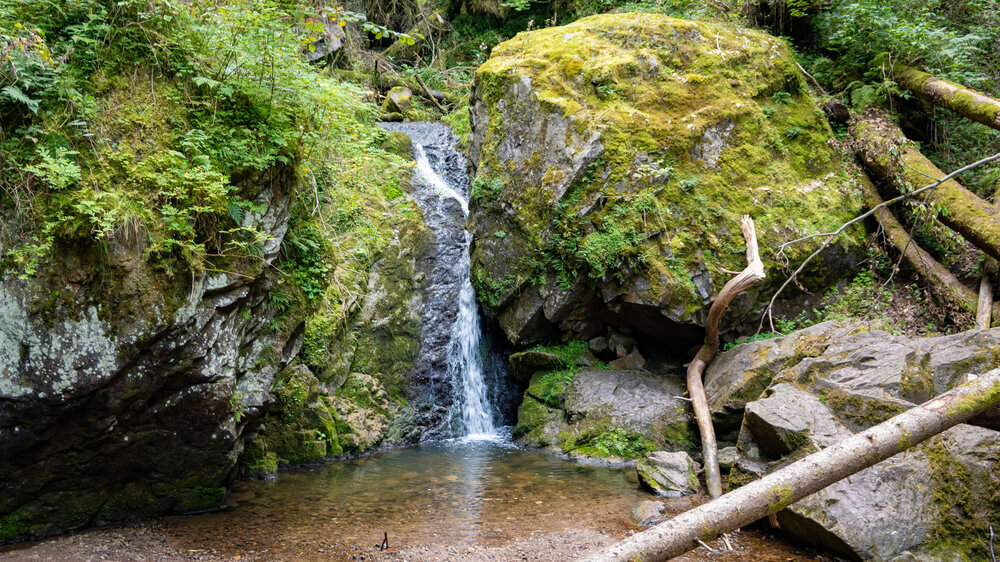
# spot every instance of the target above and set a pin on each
(964, 101)
(777, 490)
(947, 286)
(984, 312)
(753, 274)
(879, 141)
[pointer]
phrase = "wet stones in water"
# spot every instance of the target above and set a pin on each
(668, 474)
(648, 512)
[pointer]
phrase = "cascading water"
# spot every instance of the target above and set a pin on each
(452, 325)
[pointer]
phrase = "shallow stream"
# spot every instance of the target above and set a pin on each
(459, 493)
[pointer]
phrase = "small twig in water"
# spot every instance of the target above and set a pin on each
(385, 542)
(725, 539)
(710, 549)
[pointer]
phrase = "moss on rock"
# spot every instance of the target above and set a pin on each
(629, 145)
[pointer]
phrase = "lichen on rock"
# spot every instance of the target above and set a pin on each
(815, 387)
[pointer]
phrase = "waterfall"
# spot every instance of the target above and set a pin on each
(452, 334)
(465, 362)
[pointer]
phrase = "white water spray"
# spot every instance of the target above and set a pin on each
(465, 364)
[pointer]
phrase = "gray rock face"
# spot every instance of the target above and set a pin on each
(669, 474)
(740, 375)
(125, 392)
(648, 512)
(823, 384)
(331, 42)
(594, 403)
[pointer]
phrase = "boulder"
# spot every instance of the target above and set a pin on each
(669, 474)
(620, 152)
(524, 364)
(740, 375)
(331, 42)
(634, 361)
(605, 413)
(398, 143)
(837, 112)
(398, 100)
(648, 512)
(822, 385)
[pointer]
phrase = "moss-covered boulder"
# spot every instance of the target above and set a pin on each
(613, 159)
(398, 100)
(813, 388)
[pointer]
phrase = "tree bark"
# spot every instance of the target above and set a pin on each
(946, 285)
(984, 308)
(751, 275)
(785, 486)
(964, 101)
(882, 146)
(984, 311)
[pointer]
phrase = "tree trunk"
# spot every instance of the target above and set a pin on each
(964, 101)
(753, 274)
(946, 285)
(984, 312)
(785, 486)
(878, 141)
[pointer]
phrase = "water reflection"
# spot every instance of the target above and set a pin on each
(445, 493)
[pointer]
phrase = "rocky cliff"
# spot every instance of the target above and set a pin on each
(125, 392)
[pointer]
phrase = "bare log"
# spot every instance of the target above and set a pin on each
(947, 285)
(430, 95)
(984, 307)
(751, 275)
(781, 488)
(984, 310)
(879, 141)
(964, 101)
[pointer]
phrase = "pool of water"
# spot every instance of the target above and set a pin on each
(453, 492)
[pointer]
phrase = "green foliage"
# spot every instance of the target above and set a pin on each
(756, 337)
(863, 298)
(551, 386)
(913, 32)
(483, 188)
(237, 403)
(781, 97)
(570, 354)
(100, 149)
(615, 442)
(306, 257)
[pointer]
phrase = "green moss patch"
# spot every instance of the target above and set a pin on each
(697, 124)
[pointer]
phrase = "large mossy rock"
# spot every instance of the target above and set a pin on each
(613, 158)
(810, 389)
(611, 415)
